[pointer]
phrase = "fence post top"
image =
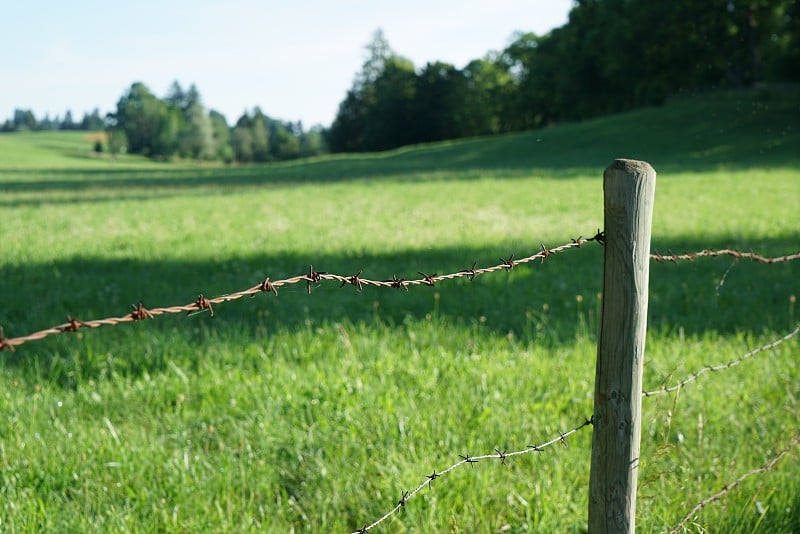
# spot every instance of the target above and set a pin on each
(630, 165)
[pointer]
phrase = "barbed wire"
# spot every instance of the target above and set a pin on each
(708, 253)
(471, 460)
(730, 486)
(714, 368)
(311, 277)
(139, 312)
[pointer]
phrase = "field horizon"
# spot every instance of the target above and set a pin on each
(316, 412)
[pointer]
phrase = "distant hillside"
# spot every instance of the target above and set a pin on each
(722, 129)
(739, 128)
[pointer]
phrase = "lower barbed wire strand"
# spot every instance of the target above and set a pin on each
(467, 459)
(713, 368)
(731, 485)
(708, 253)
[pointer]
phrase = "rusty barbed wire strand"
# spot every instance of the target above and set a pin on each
(728, 487)
(714, 368)
(271, 286)
(312, 277)
(708, 253)
(471, 460)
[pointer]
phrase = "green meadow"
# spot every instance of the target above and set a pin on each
(315, 412)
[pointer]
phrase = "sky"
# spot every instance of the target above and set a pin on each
(294, 60)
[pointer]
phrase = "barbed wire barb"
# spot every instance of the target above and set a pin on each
(4, 342)
(713, 368)
(140, 313)
(728, 487)
(471, 460)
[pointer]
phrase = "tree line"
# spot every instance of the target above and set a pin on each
(180, 125)
(24, 120)
(611, 56)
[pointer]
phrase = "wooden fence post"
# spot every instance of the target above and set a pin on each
(629, 188)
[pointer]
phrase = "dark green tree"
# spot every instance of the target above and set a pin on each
(378, 54)
(377, 112)
(242, 142)
(92, 122)
(24, 120)
(348, 130)
(196, 137)
(67, 123)
(439, 103)
(260, 136)
(48, 123)
(390, 114)
(488, 95)
(283, 140)
(221, 135)
(151, 126)
(312, 142)
(176, 96)
(787, 57)
(250, 138)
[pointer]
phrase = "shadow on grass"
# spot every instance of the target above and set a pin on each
(549, 303)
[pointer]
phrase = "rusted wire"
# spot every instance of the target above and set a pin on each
(269, 286)
(713, 368)
(728, 487)
(471, 460)
(708, 253)
(313, 277)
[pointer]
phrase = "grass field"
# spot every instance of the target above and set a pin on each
(315, 412)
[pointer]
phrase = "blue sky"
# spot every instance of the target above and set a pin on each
(295, 60)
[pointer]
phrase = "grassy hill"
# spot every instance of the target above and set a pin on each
(315, 412)
(728, 129)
